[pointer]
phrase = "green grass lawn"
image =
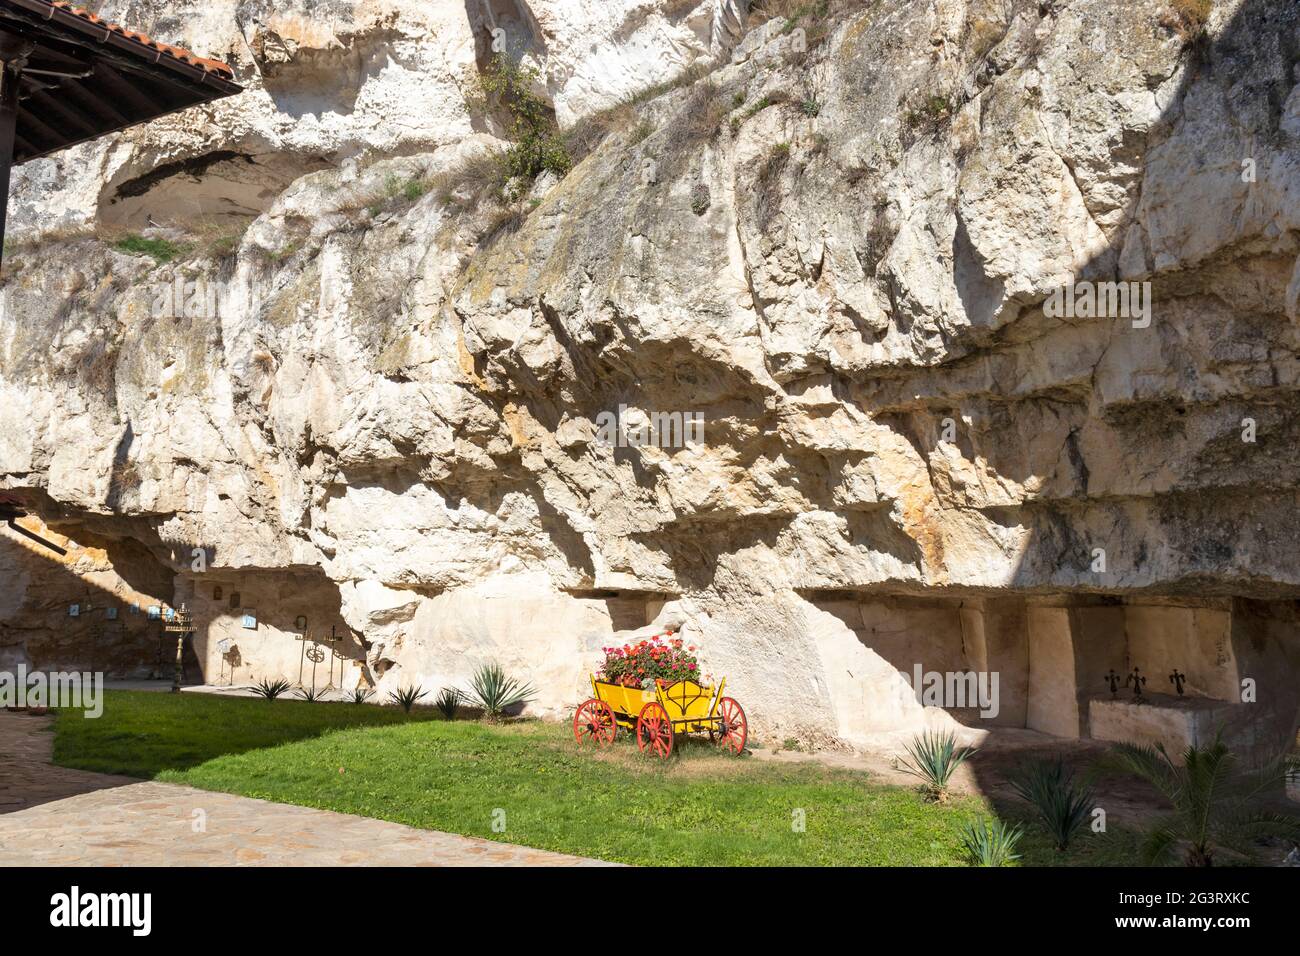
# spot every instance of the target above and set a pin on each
(698, 808)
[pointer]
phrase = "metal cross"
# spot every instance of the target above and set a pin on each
(332, 640)
(1112, 680)
(1136, 680)
(302, 651)
(1178, 679)
(315, 654)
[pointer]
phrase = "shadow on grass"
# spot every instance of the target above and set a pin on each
(142, 734)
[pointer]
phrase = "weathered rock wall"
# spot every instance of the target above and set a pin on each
(39, 590)
(834, 239)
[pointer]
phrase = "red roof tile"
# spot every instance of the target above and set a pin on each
(176, 52)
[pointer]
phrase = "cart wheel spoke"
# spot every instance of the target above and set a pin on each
(594, 722)
(654, 731)
(734, 728)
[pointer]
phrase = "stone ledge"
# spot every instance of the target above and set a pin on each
(1176, 722)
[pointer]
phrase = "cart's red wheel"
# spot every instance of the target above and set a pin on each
(734, 727)
(654, 731)
(594, 721)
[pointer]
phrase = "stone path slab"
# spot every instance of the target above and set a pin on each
(53, 816)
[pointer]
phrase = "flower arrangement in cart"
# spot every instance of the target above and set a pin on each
(639, 665)
(654, 689)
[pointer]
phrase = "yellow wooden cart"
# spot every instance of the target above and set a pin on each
(658, 715)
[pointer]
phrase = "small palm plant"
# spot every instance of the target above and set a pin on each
(935, 757)
(448, 701)
(1215, 806)
(270, 689)
(990, 842)
(495, 692)
(407, 697)
(311, 694)
(361, 693)
(1062, 804)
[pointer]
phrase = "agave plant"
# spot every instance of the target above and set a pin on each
(311, 694)
(1062, 804)
(934, 758)
(1216, 806)
(990, 842)
(361, 693)
(448, 701)
(495, 692)
(407, 697)
(270, 689)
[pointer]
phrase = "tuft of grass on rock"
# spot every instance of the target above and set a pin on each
(160, 250)
(1187, 18)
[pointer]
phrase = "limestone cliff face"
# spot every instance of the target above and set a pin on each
(835, 239)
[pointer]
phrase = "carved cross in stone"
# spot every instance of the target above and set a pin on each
(1112, 681)
(1136, 680)
(1178, 680)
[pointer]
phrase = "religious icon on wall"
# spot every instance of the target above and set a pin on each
(111, 614)
(74, 610)
(249, 621)
(155, 612)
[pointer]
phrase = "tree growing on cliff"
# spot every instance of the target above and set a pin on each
(536, 143)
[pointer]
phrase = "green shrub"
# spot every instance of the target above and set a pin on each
(448, 702)
(537, 145)
(270, 689)
(407, 697)
(361, 694)
(414, 189)
(1061, 804)
(1215, 805)
(496, 692)
(934, 759)
(990, 842)
(311, 694)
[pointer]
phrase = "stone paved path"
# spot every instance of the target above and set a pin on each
(53, 816)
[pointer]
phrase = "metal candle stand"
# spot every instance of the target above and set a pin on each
(333, 641)
(180, 624)
(300, 624)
